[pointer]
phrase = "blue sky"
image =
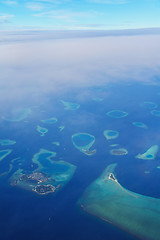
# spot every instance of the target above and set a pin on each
(79, 14)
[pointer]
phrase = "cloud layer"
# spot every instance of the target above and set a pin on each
(34, 68)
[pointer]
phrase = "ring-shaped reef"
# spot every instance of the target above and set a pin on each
(6, 142)
(70, 105)
(137, 214)
(140, 124)
(148, 105)
(155, 113)
(110, 134)
(119, 152)
(83, 142)
(48, 177)
(42, 130)
(49, 120)
(18, 115)
(117, 114)
(150, 154)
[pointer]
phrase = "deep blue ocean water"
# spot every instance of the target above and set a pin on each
(26, 215)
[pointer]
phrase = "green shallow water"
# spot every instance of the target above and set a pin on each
(150, 154)
(137, 214)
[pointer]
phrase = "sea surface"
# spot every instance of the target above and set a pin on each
(28, 215)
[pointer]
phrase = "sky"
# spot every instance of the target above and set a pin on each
(79, 14)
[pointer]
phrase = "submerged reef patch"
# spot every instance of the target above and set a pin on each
(119, 152)
(18, 114)
(7, 142)
(148, 105)
(140, 124)
(70, 105)
(42, 130)
(83, 142)
(155, 113)
(110, 134)
(150, 154)
(50, 120)
(116, 114)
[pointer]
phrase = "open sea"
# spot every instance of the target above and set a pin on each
(57, 216)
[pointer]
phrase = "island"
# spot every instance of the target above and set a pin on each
(134, 213)
(48, 177)
(44, 189)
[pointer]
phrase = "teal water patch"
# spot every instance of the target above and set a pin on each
(148, 105)
(137, 214)
(18, 115)
(83, 142)
(7, 142)
(70, 105)
(155, 113)
(61, 128)
(110, 134)
(43, 158)
(116, 114)
(49, 175)
(49, 120)
(150, 154)
(114, 145)
(119, 152)
(140, 124)
(10, 167)
(4, 153)
(56, 143)
(42, 130)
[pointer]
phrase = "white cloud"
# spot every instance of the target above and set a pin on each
(37, 67)
(34, 6)
(67, 15)
(109, 1)
(5, 18)
(9, 2)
